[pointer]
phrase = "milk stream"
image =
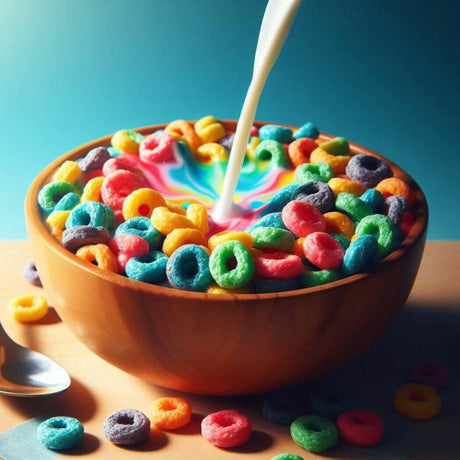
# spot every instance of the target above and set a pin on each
(276, 23)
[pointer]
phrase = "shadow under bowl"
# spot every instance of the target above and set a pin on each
(222, 344)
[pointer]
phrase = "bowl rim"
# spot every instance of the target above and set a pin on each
(34, 215)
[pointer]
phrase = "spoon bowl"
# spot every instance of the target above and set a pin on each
(26, 373)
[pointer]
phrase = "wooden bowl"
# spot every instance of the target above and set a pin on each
(222, 344)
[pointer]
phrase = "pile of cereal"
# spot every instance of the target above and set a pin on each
(313, 212)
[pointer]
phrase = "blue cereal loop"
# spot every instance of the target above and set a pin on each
(275, 132)
(360, 256)
(307, 130)
(51, 194)
(374, 199)
(60, 433)
(91, 213)
(279, 200)
(269, 220)
(67, 202)
(188, 268)
(150, 268)
(143, 227)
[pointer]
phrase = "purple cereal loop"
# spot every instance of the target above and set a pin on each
(75, 237)
(227, 141)
(94, 159)
(31, 275)
(317, 193)
(396, 207)
(126, 427)
(367, 170)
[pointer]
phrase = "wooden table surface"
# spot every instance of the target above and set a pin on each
(428, 328)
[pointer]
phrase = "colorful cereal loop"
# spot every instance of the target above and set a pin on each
(243, 265)
(272, 237)
(28, 308)
(183, 131)
(395, 186)
(210, 153)
(307, 130)
(127, 141)
(252, 146)
(158, 147)
(273, 151)
(170, 413)
(165, 221)
(360, 427)
(198, 215)
(337, 162)
(69, 171)
(312, 278)
(336, 146)
(209, 129)
(337, 222)
(226, 428)
(180, 236)
(50, 195)
(314, 433)
(282, 134)
(322, 250)
(229, 235)
(141, 203)
(92, 190)
(126, 427)
(277, 265)
(56, 222)
(299, 151)
(416, 401)
(60, 433)
(339, 185)
(176, 207)
(99, 254)
(310, 172)
(352, 206)
(149, 268)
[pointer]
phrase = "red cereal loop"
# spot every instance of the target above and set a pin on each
(299, 151)
(117, 186)
(128, 245)
(126, 162)
(430, 373)
(254, 131)
(303, 218)
(277, 265)
(226, 428)
(360, 427)
(158, 147)
(324, 251)
(407, 221)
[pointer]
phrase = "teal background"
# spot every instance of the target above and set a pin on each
(384, 74)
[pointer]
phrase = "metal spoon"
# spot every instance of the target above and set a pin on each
(24, 372)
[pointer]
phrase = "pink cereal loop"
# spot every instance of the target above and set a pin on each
(158, 147)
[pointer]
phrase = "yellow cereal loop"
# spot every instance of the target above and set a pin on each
(209, 129)
(142, 202)
(297, 247)
(337, 162)
(211, 152)
(69, 171)
(183, 131)
(99, 254)
(92, 190)
(251, 147)
(230, 235)
(198, 215)
(336, 222)
(340, 185)
(124, 142)
(216, 289)
(28, 308)
(56, 222)
(181, 236)
(176, 207)
(165, 221)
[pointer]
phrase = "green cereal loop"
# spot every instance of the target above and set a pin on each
(383, 228)
(231, 278)
(310, 172)
(342, 239)
(271, 150)
(135, 136)
(286, 456)
(352, 206)
(314, 433)
(273, 237)
(337, 146)
(50, 195)
(312, 278)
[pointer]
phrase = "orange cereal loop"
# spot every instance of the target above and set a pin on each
(176, 207)
(336, 222)
(126, 141)
(210, 153)
(340, 185)
(69, 171)
(209, 129)
(165, 221)
(231, 235)
(92, 190)
(216, 289)
(170, 413)
(198, 215)
(141, 202)
(181, 236)
(395, 186)
(100, 255)
(416, 401)
(56, 222)
(297, 247)
(28, 308)
(183, 131)
(338, 163)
